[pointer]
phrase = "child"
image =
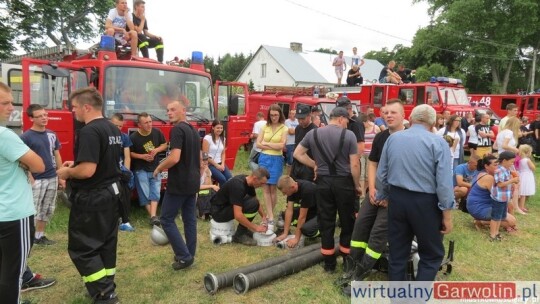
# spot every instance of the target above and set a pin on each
(526, 176)
(501, 192)
(207, 189)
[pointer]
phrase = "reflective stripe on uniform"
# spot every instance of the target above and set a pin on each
(372, 253)
(159, 46)
(345, 250)
(95, 276)
(328, 251)
(143, 44)
(110, 271)
(356, 244)
(250, 215)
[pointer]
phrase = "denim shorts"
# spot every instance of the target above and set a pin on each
(498, 210)
(148, 186)
(274, 165)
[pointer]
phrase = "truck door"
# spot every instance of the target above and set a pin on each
(50, 85)
(232, 104)
(12, 76)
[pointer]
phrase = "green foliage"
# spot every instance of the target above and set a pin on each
(481, 39)
(230, 67)
(325, 50)
(63, 22)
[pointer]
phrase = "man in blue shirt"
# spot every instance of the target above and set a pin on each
(16, 203)
(464, 174)
(416, 179)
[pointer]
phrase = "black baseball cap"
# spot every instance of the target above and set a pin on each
(343, 102)
(302, 111)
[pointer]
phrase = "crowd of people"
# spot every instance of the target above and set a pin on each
(403, 175)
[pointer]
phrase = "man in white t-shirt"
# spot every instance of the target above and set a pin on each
(117, 24)
(356, 59)
(254, 134)
(511, 111)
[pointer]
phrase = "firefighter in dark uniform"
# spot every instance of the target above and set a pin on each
(94, 179)
(301, 209)
(338, 171)
(355, 126)
(370, 228)
(237, 200)
(299, 170)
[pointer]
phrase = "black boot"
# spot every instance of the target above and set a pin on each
(360, 273)
(243, 236)
(348, 271)
(330, 263)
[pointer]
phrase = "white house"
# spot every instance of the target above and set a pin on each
(279, 66)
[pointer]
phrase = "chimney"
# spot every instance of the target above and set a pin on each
(296, 47)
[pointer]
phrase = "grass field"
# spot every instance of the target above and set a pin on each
(144, 273)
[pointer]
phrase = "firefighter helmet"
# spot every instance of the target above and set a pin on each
(158, 236)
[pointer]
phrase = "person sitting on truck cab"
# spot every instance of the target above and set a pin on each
(388, 75)
(116, 23)
(146, 39)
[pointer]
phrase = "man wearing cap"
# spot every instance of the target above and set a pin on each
(299, 170)
(337, 170)
(354, 125)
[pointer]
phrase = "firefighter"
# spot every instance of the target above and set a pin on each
(369, 235)
(94, 179)
(338, 173)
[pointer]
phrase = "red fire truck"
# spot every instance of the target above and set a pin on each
(238, 107)
(528, 105)
(442, 93)
(128, 87)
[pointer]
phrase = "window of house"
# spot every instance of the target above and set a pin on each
(263, 70)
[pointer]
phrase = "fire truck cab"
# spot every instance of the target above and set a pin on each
(237, 108)
(442, 93)
(129, 87)
(528, 105)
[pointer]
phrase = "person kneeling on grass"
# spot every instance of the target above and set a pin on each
(479, 201)
(301, 193)
(237, 200)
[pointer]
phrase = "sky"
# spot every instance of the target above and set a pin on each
(242, 26)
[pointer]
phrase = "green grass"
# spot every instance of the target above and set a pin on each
(144, 273)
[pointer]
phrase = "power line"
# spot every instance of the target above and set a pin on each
(465, 53)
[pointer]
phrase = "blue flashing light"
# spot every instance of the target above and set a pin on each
(197, 57)
(447, 80)
(107, 43)
(433, 79)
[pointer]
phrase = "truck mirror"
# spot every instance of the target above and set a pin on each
(54, 70)
(233, 105)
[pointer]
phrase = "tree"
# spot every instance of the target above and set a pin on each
(327, 51)
(63, 22)
(480, 36)
(230, 67)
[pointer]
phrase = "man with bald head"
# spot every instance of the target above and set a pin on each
(183, 184)
(416, 181)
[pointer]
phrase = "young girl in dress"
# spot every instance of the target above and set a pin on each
(526, 176)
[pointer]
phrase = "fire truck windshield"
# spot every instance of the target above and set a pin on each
(136, 90)
(456, 96)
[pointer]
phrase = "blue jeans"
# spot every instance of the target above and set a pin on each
(289, 158)
(148, 186)
(172, 203)
(219, 176)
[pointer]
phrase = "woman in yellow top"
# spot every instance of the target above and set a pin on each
(271, 141)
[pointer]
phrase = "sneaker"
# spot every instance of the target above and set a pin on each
(244, 239)
(44, 241)
(37, 282)
(181, 264)
(126, 227)
(154, 221)
(111, 299)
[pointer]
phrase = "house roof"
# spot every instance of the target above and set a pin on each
(316, 67)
